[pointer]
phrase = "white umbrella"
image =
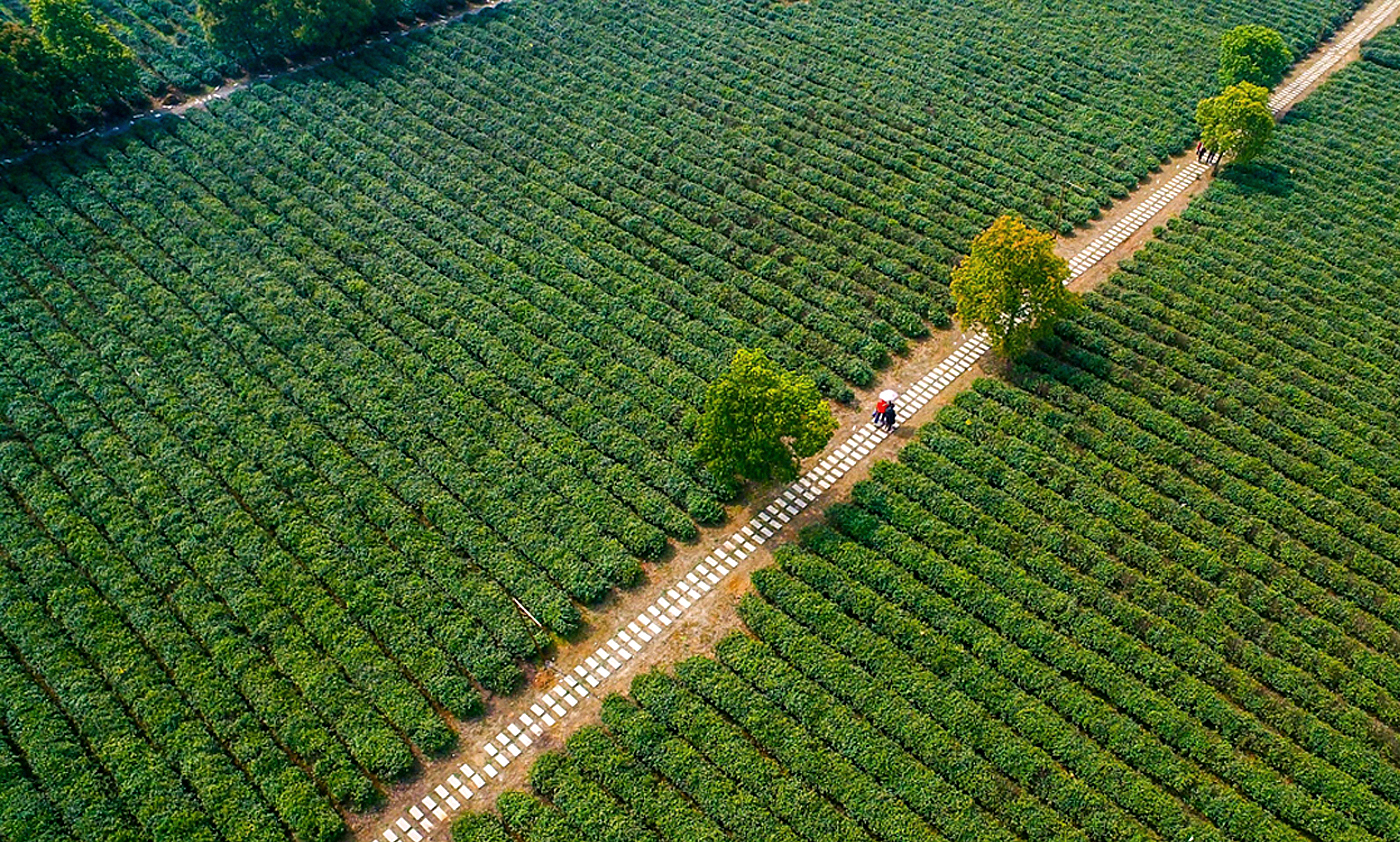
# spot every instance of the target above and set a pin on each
(889, 395)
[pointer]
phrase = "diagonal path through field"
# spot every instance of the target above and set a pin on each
(592, 673)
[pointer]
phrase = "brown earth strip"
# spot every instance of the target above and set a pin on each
(714, 615)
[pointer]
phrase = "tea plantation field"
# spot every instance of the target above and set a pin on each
(174, 49)
(1147, 589)
(307, 399)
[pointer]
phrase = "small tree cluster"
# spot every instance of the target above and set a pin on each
(1237, 124)
(62, 67)
(257, 29)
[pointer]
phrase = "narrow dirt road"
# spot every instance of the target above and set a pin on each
(620, 640)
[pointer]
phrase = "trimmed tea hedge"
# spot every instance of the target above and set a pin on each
(1144, 590)
(304, 397)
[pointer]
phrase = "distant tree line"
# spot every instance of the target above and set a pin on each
(59, 70)
(255, 30)
(64, 68)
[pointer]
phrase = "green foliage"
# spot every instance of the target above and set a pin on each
(1145, 589)
(62, 67)
(34, 89)
(256, 29)
(1384, 57)
(299, 393)
(1254, 54)
(99, 66)
(704, 509)
(179, 49)
(1383, 49)
(1011, 285)
(1237, 123)
(177, 52)
(479, 827)
(760, 421)
(246, 28)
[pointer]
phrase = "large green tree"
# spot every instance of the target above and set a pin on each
(33, 94)
(244, 28)
(1254, 54)
(1011, 285)
(760, 420)
(99, 67)
(62, 64)
(255, 29)
(326, 24)
(1237, 124)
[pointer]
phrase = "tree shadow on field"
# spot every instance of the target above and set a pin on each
(1256, 178)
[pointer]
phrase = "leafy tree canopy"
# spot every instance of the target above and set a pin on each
(62, 65)
(1011, 285)
(99, 65)
(760, 420)
(29, 80)
(243, 27)
(1238, 123)
(254, 29)
(1254, 54)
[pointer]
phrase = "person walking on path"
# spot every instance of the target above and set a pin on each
(883, 416)
(1200, 149)
(889, 417)
(878, 416)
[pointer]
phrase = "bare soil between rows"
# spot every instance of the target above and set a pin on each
(714, 616)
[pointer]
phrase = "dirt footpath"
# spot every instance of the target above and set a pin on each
(698, 629)
(713, 616)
